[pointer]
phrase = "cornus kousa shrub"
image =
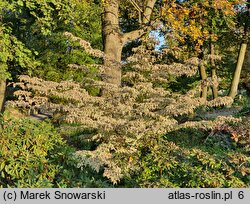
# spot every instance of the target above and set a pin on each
(128, 121)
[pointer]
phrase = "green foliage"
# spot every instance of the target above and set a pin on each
(55, 56)
(15, 57)
(93, 91)
(13, 54)
(183, 84)
(187, 137)
(33, 154)
(77, 136)
(42, 16)
(28, 153)
(241, 100)
(244, 111)
(58, 100)
(166, 164)
(32, 40)
(56, 52)
(87, 22)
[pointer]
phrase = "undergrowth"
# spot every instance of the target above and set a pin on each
(34, 155)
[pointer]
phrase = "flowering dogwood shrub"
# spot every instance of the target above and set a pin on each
(127, 119)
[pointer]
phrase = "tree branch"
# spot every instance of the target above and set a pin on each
(133, 35)
(148, 9)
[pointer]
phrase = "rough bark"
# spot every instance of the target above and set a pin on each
(213, 72)
(112, 42)
(114, 39)
(2, 94)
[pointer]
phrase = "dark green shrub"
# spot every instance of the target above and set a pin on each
(33, 154)
(245, 111)
(27, 150)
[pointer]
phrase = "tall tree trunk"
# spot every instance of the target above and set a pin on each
(2, 80)
(2, 94)
(213, 72)
(203, 74)
(241, 56)
(237, 72)
(114, 39)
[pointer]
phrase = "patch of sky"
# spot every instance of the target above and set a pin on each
(160, 40)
